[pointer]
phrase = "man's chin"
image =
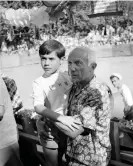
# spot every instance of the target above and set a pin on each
(75, 80)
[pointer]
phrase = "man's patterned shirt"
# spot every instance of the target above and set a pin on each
(92, 103)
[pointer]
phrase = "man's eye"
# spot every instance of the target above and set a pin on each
(78, 63)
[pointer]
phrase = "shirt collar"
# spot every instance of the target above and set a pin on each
(78, 85)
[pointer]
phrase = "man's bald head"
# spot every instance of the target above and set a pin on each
(84, 53)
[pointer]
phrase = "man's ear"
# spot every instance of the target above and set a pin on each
(93, 65)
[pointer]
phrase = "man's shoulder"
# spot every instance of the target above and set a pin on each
(95, 83)
(100, 86)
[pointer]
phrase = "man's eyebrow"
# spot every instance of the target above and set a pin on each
(78, 60)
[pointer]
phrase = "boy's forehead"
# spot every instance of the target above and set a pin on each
(52, 54)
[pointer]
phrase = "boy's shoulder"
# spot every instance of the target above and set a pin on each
(63, 79)
(38, 80)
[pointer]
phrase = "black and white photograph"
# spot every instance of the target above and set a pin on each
(66, 83)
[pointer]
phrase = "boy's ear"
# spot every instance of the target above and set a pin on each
(62, 59)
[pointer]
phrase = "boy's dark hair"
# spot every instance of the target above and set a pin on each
(52, 45)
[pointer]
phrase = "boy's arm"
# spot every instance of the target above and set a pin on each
(39, 98)
(68, 121)
(46, 112)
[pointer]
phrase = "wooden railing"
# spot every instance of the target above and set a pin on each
(118, 157)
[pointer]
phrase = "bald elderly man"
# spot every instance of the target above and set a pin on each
(90, 100)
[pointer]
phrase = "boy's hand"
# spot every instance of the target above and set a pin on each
(70, 121)
(1, 117)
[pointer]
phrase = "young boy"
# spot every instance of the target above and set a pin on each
(50, 92)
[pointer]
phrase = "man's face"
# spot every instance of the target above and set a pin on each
(50, 63)
(78, 68)
(116, 82)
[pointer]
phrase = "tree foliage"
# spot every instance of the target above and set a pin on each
(76, 17)
(76, 12)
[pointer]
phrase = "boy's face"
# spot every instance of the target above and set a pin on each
(50, 63)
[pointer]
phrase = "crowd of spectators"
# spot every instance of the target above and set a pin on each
(96, 36)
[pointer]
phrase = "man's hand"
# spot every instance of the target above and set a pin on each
(70, 122)
(70, 126)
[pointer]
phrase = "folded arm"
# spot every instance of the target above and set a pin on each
(39, 98)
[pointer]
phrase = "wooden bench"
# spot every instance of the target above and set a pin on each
(119, 157)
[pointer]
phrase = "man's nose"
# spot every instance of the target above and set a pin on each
(72, 68)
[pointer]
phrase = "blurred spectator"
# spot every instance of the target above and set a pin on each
(125, 93)
(9, 148)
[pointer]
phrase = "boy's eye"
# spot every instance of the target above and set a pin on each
(43, 58)
(51, 59)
